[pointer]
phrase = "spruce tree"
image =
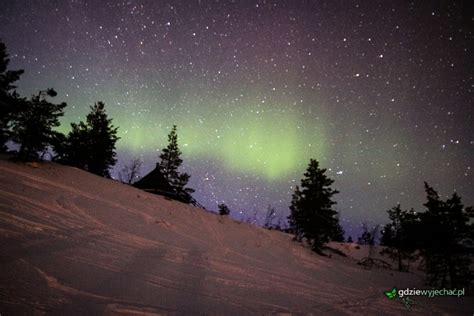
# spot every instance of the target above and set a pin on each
(170, 162)
(74, 149)
(90, 145)
(338, 231)
(103, 136)
(33, 127)
(10, 103)
(223, 209)
(312, 215)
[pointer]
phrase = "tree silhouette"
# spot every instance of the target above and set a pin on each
(398, 236)
(103, 136)
(33, 127)
(131, 172)
(366, 238)
(269, 217)
(338, 232)
(223, 209)
(441, 231)
(169, 163)
(312, 216)
(91, 145)
(73, 149)
(10, 103)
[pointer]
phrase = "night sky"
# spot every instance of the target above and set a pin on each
(379, 92)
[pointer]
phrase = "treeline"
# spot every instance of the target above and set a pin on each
(442, 235)
(30, 123)
(90, 145)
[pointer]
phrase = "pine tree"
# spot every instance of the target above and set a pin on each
(312, 216)
(10, 103)
(103, 136)
(223, 209)
(170, 158)
(74, 148)
(441, 230)
(33, 127)
(338, 233)
(91, 145)
(170, 162)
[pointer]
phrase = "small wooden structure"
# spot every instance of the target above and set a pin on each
(156, 183)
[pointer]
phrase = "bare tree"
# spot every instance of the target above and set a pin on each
(368, 238)
(269, 217)
(252, 219)
(131, 172)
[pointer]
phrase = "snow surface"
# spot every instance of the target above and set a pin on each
(75, 243)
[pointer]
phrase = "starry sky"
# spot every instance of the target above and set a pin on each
(380, 93)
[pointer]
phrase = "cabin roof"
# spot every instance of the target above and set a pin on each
(155, 181)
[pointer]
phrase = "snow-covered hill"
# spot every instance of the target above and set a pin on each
(75, 243)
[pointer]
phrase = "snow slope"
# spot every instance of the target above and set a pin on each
(75, 243)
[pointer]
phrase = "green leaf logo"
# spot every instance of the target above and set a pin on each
(391, 294)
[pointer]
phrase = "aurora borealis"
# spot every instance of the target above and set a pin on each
(380, 93)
